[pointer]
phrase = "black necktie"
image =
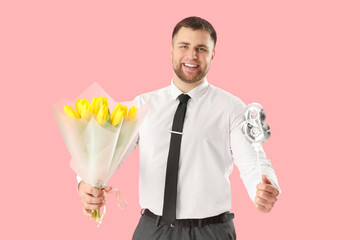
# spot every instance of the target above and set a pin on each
(169, 207)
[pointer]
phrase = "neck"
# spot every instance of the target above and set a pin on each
(184, 86)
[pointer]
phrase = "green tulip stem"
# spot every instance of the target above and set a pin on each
(95, 214)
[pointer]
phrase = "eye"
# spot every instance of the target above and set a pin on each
(184, 46)
(202, 49)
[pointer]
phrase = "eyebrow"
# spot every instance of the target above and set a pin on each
(199, 45)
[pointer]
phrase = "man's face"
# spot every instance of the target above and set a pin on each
(192, 52)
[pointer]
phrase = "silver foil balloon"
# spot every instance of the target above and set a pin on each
(253, 126)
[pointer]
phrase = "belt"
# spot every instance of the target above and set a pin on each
(221, 218)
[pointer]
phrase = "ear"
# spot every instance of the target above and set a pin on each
(171, 50)
(213, 55)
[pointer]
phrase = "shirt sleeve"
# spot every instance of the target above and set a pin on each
(245, 156)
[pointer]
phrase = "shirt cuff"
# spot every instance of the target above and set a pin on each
(275, 184)
(79, 179)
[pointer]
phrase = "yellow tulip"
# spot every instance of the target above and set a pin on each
(133, 113)
(102, 114)
(104, 101)
(85, 114)
(95, 105)
(78, 105)
(117, 117)
(86, 104)
(71, 112)
(124, 109)
(120, 107)
(83, 108)
(116, 108)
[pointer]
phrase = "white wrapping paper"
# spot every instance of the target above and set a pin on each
(96, 150)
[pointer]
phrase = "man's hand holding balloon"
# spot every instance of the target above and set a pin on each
(265, 195)
(256, 132)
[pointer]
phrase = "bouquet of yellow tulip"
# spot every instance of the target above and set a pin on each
(96, 137)
(99, 108)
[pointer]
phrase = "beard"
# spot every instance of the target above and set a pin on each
(193, 78)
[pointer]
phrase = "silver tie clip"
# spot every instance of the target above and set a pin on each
(176, 132)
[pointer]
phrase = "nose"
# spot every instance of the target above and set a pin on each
(194, 53)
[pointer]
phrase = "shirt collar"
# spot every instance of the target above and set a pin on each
(195, 93)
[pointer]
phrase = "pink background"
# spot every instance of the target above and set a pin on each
(299, 59)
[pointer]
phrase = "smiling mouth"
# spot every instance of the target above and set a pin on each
(190, 65)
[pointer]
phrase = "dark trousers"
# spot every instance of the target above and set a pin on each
(147, 230)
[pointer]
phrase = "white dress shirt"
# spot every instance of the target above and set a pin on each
(212, 142)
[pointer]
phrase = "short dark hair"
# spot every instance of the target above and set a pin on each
(196, 23)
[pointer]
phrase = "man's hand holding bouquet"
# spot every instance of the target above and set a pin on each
(97, 135)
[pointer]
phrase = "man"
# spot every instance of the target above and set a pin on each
(187, 147)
